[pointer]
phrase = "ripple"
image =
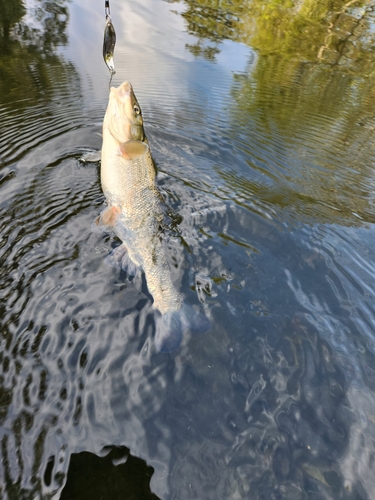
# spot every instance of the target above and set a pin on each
(269, 194)
(42, 120)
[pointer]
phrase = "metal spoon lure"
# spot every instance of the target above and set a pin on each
(109, 41)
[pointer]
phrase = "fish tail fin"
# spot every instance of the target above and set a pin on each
(119, 259)
(171, 325)
(168, 331)
(193, 320)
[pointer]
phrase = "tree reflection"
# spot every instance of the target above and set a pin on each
(310, 93)
(324, 121)
(332, 31)
(10, 14)
(52, 19)
(213, 21)
(28, 47)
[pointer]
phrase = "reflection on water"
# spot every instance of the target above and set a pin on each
(316, 126)
(306, 107)
(334, 33)
(270, 172)
(27, 47)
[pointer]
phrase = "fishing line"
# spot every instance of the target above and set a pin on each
(107, 9)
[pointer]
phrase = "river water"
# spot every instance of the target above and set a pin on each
(260, 117)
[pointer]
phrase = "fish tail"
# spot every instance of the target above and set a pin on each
(194, 321)
(171, 326)
(168, 331)
(119, 259)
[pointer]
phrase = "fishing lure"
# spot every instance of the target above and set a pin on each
(109, 41)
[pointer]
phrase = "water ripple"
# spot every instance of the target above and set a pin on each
(269, 195)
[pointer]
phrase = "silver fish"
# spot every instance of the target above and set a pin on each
(128, 180)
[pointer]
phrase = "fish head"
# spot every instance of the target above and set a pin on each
(124, 116)
(127, 103)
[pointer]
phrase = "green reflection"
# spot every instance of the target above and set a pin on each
(323, 121)
(10, 14)
(28, 50)
(334, 32)
(304, 116)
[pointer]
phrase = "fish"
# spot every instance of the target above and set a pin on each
(124, 119)
(134, 213)
(109, 43)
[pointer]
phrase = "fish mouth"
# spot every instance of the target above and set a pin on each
(123, 91)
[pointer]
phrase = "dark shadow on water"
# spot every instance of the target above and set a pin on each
(115, 475)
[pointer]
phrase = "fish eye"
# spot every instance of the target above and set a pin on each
(136, 109)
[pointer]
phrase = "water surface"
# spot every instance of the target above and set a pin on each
(260, 117)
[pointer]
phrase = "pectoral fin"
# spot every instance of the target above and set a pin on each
(108, 217)
(132, 150)
(92, 157)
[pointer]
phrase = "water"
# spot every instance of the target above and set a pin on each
(261, 120)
